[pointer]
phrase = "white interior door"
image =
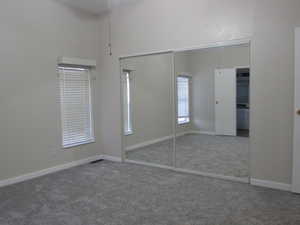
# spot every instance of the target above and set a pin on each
(296, 155)
(225, 102)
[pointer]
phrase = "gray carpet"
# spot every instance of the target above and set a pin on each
(222, 155)
(126, 194)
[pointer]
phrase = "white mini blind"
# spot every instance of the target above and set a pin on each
(76, 106)
(127, 103)
(183, 99)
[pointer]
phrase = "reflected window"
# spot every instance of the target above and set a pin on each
(127, 103)
(183, 96)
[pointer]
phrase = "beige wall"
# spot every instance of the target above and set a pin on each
(273, 89)
(201, 65)
(33, 34)
(159, 25)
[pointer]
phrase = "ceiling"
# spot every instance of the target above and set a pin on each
(95, 6)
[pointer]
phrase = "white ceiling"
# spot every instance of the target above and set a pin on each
(95, 6)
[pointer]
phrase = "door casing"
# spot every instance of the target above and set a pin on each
(296, 141)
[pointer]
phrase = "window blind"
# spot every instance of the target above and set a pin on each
(127, 103)
(183, 99)
(76, 107)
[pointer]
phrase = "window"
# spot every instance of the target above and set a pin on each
(76, 106)
(183, 92)
(127, 103)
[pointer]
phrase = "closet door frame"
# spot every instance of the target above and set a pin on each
(174, 103)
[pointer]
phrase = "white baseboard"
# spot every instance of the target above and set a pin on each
(182, 133)
(147, 143)
(112, 158)
(212, 175)
(271, 184)
(255, 182)
(148, 164)
(154, 141)
(29, 176)
(202, 132)
(44, 172)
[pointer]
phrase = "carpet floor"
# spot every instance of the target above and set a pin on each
(125, 194)
(223, 155)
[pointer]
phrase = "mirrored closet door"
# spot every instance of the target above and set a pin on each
(212, 127)
(189, 110)
(148, 108)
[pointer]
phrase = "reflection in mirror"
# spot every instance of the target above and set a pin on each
(212, 132)
(148, 108)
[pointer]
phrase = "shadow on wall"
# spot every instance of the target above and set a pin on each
(79, 8)
(95, 7)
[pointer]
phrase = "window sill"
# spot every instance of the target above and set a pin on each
(79, 144)
(183, 123)
(128, 133)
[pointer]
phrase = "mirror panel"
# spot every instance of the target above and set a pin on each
(212, 97)
(148, 108)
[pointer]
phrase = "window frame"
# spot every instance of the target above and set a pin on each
(186, 119)
(92, 138)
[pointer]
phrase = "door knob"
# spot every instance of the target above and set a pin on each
(298, 112)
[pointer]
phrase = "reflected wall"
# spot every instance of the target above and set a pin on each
(148, 108)
(211, 142)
